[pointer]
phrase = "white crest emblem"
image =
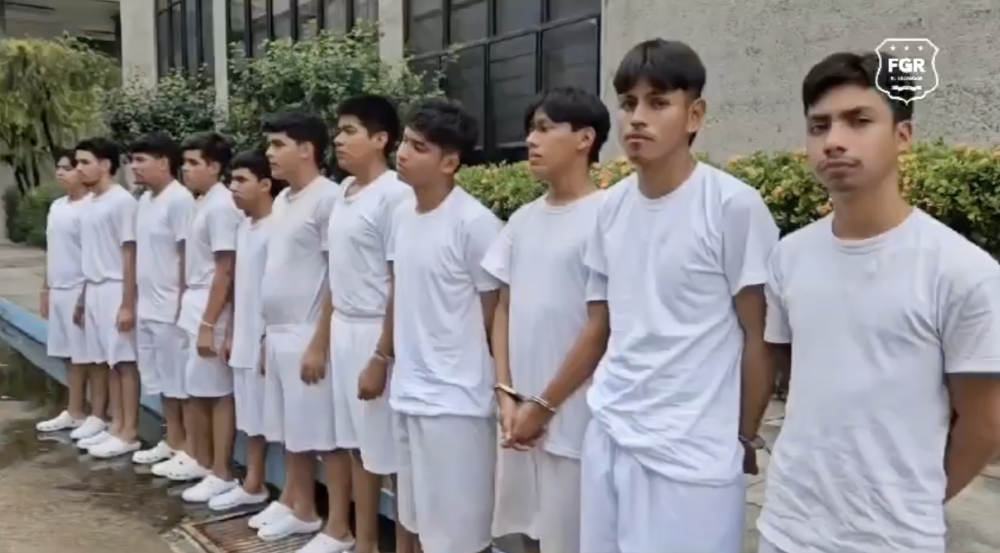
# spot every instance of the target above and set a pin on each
(910, 66)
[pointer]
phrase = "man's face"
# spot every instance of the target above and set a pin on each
(553, 147)
(356, 147)
(67, 175)
(148, 169)
(248, 190)
(655, 124)
(199, 175)
(421, 163)
(91, 170)
(286, 155)
(852, 141)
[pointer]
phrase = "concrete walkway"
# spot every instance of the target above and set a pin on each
(972, 517)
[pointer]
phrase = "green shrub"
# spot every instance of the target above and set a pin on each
(28, 221)
(11, 202)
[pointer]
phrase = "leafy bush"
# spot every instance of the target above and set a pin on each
(28, 221)
(11, 202)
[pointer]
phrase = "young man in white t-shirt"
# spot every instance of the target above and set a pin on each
(298, 402)
(206, 308)
(358, 234)
(254, 191)
(161, 228)
(679, 254)
(108, 304)
(438, 327)
(541, 314)
(61, 290)
(890, 321)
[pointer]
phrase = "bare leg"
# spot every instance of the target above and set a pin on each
(99, 390)
(115, 397)
(367, 491)
(174, 415)
(337, 470)
(303, 482)
(199, 430)
(190, 417)
(256, 465)
(223, 436)
(77, 376)
(406, 541)
(287, 497)
(130, 390)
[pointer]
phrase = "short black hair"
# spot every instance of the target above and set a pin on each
(103, 149)
(447, 125)
(160, 145)
(666, 65)
(256, 162)
(852, 69)
(577, 108)
(59, 153)
(214, 148)
(376, 114)
(301, 127)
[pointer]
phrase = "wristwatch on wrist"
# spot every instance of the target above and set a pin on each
(757, 442)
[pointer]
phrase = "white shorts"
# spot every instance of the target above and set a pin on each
(248, 390)
(105, 345)
(295, 414)
(626, 508)
(162, 358)
(363, 425)
(446, 480)
(764, 546)
(206, 377)
(65, 339)
(538, 495)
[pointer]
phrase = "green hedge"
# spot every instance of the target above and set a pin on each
(958, 185)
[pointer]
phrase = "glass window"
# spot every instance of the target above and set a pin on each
(468, 20)
(192, 35)
(512, 86)
(366, 9)
(163, 42)
(466, 80)
(570, 56)
(426, 26)
(561, 9)
(282, 18)
(308, 19)
(335, 15)
(177, 35)
(258, 25)
(207, 36)
(237, 21)
(517, 15)
(428, 69)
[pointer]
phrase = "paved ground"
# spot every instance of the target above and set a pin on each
(47, 497)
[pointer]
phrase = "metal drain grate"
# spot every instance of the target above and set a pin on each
(230, 534)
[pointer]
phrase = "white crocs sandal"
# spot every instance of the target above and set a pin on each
(236, 497)
(64, 421)
(114, 447)
(156, 454)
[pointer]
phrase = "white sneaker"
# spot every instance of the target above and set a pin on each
(64, 421)
(91, 427)
(164, 468)
(187, 471)
(156, 454)
(275, 511)
(324, 543)
(90, 442)
(288, 526)
(113, 447)
(208, 488)
(236, 497)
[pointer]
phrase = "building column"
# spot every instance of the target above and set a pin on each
(220, 51)
(392, 23)
(138, 43)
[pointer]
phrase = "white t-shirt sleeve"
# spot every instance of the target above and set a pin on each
(480, 233)
(125, 223)
(223, 228)
(387, 216)
(749, 234)
(179, 216)
(323, 211)
(497, 260)
(971, 330)
(776, 329)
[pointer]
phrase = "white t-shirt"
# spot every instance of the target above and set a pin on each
(63, 261)
(295, 275)
(668, 388)
(161, 224)
(213, 229)
(443, 364)
(540, 255)
(248, 316)
(106, 225)
(875, 325)
(360, 229)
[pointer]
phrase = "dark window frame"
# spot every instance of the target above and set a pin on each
(491, 151)
(295, 13)
(166, 9)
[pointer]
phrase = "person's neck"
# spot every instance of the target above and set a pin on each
(156, 187)
(103, 186)
(866, 213)
(303, 178)
(430, 197)
(661, 177)
(570, 185)
(370, 173)
(262, 210)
